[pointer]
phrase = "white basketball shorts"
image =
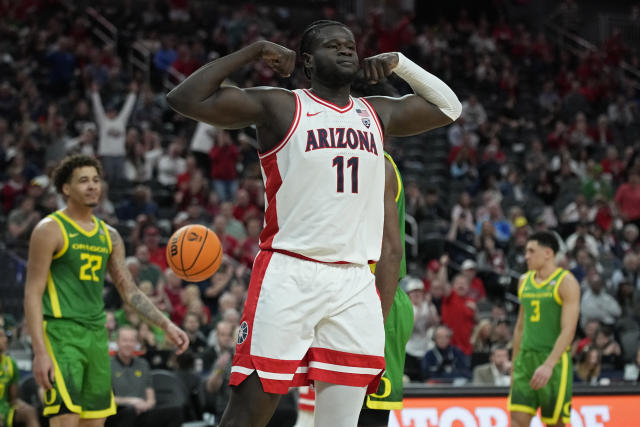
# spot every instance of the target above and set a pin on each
(305, 321)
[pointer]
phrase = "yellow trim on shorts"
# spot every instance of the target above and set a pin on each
(12, 412)
(49, 410)
(62, 388)
(521, 408)
(65, 245)
(106, 231)
(80, 229)
(561, 393)
(103, 413)
(53, 296)
(373, 404)
(556, 293)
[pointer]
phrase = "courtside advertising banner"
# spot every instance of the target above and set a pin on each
(587, 411)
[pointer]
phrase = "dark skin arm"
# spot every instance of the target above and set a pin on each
(201, 97)
(389, 264)
(404, 116)
(132, 295)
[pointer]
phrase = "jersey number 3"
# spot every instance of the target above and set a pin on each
(535, 304)
(93, 263)
(338, 162)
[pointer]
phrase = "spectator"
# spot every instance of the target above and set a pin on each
(444, 362)
(157, 252)
(197, 341)
(139, 203)
(462, 221)
(497, 372)
(481, 342)
(148, 270)
(112, 128)
(21, 222)
(628, 198)
(234, 227)
(217, 384)
(588, 367)
(458, 313)
(477, 291)
(250, 247)
(597, 303)
(425, 318)
(590, 329)
(171, 165)
(611, 352)
(582, 231)
(133, 389)
(229, 243)
(474, 113)
(223, 157)
(502, 334)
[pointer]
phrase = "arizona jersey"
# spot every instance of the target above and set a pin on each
(324, 183)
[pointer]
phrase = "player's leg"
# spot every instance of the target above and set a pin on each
(26, 414)
(91, 422)
(249, 405)
(65, 420)
(555, 397)
(520, 419)
(337, 405)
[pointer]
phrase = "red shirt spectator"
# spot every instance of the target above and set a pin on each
(157, 252)
(186, 64)
(244, 209)
(458, 313)
(224, 156)
(628, 198)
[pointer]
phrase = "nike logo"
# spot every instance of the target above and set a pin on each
(73, 235)
(314, 114)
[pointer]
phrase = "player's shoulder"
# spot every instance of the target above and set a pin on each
(47, 228)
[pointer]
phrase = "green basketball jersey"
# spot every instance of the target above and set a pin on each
(397, 328)
(76, 275)
(542, 311)
(9, 375)
(401, 218)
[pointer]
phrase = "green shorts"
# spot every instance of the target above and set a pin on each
(82, 368)
(554, 399)
(6, 414)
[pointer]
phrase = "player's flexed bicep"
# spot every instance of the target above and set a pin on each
(201, 97)
(433, 105)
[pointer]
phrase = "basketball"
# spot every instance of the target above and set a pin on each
(194, 253)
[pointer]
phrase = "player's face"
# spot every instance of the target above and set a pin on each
(535, 255)
(85, 187)
(335, 60)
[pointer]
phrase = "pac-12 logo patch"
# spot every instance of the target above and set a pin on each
(366, 122)
(243, 332)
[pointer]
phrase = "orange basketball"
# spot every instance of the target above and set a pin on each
(194, 253)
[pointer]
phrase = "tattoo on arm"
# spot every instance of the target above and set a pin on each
(125, 284)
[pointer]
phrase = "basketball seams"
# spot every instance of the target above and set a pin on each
(209, 265)
(199, 251)
(184, 232)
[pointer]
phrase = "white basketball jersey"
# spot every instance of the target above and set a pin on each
(324, 183)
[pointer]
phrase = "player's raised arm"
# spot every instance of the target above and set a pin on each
(200, 96)
(132, 295)
(46, 240)
(433, 105)
(388, 265)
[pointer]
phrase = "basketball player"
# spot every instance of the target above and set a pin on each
(12, 409)
(69, 254)
(396, 305)
(549, 308)
(396, 308)
(312, 312)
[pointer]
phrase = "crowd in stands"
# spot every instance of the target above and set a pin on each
(546, 141)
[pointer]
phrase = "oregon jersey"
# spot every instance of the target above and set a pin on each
(8, 376)
(397, 327)
(542, 311)
(76, 275)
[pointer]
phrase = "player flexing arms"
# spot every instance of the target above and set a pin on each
(549, 310)
(312, 313)
(396, 305)
(69, 254)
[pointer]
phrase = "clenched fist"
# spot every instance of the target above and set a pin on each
(377, 68)
(281, 59)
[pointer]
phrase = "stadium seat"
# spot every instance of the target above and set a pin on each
(167, 388)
